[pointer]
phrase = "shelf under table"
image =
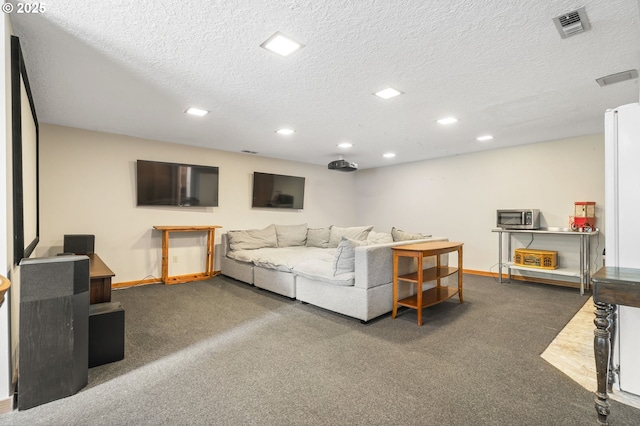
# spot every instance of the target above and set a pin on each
(559, 271)
(430, 274)
(430, 297)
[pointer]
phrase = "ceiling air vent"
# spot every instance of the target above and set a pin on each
(617, 78)
(572, 23)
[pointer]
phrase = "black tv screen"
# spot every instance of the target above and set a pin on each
(173, 184)
(277, 191)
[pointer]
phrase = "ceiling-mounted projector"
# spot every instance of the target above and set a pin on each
(343, 166)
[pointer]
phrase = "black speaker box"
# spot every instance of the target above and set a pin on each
(54, 329)
(106, 333)
(79, 243)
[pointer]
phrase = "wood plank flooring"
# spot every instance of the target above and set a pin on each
(572, 353)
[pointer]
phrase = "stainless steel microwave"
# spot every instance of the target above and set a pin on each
(518, 219)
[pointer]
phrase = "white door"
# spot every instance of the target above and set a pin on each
(622, 211)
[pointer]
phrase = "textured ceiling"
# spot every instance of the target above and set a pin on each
(133, 67)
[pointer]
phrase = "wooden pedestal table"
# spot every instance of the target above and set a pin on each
(208, 273)
(612, 286)
(432, 296)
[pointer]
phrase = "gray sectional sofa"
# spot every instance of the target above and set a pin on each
(347, 270)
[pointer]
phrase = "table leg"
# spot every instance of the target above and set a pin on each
(588, 261)
(613, 317)
(582, 254)
(460, 275)
(500, 257)
(209, 270)
(602, 352)
(165, 256)
(419, 289)
(509, 255)
(395, 285)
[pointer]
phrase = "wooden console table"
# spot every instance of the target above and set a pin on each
(208, 273)
(432, 296)
(612, 286)
(99, 280)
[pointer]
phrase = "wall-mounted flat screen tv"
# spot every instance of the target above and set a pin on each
(173, 184)
(277, 191)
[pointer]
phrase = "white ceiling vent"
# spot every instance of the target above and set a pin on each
(572, 23)
(617, 78)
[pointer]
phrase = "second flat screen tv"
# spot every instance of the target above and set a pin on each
(172, 184)
(277, 191)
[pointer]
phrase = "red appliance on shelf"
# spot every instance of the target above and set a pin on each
(584, 218)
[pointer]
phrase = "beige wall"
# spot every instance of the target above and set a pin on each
(88, 186)
(458, 196)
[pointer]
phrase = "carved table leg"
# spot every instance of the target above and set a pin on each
(613, 317)
(602, 352)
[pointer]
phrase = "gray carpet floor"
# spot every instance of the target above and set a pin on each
(222, 352)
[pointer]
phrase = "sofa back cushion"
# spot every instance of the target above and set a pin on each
(346, 255)
(354, 232)
(291, 235)
(379, 237)
(400, 235)
(318, 237)
(251, 239)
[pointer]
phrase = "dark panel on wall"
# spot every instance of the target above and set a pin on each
(54, 328)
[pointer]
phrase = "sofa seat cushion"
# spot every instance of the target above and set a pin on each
(321, 268)
(280, 258)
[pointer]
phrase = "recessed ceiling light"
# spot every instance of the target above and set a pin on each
(388, 93)
(484, 138)
(285, 131)
(197, 111)
(281, 44)
(345, 145)
(389, 155)
(448, 120)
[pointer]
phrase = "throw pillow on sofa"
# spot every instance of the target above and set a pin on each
(251, 239)
(400, 235)
(318, 237)
(353, 232)
(346, 255)
(291, 235)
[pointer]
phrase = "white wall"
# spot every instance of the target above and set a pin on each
(457, 197)
(88, 186)
(6, 218)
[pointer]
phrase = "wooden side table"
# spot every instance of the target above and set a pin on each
(612, 286)
(432, 296)
(99, 280)
(208, 273)
(4, 287)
